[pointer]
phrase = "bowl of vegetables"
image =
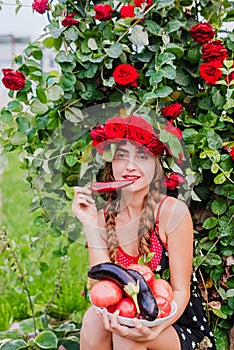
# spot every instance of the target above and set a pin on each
(133, 292)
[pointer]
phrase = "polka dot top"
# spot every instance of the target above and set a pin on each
(156, 246)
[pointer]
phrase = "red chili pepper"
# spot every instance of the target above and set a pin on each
(100, 187)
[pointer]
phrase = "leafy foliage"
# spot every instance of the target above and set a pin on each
(48, 121)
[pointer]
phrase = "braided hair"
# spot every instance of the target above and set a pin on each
(147, 217)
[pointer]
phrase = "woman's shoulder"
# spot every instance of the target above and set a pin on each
(173, 212)
(174, 203)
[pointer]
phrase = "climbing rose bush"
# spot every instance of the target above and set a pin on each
(171, 62)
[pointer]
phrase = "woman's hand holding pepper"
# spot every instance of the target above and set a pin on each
(83, 206)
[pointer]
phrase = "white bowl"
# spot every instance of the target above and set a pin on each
(129, 322)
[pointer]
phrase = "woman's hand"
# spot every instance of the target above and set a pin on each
(83, 206)
(138, 333)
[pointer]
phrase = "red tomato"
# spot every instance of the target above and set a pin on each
(127, 308)
(163, 288)
(164, 306)
(111, 308)
(105, 293)
(145, 271)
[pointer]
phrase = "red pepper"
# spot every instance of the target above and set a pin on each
(100, 187)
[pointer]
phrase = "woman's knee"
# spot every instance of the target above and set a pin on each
(125, 343)
(92, 331)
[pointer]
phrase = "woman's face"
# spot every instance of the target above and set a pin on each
(132, 163)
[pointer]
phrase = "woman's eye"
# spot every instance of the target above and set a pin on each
(142, 156)
(120, 155)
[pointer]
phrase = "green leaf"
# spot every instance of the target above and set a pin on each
(74, 114)
(193, 54)
(168, 71)
(214, 140)
(54, 93)
(175, 146)
(38, 108)
(152, 27)
(176, 49)
(210, 223)
(14, 106)
(114, 51)
(46, 340)
(163, 91)
(214, 168)
(213, 259)
(13, 344)
(156, 77)
(23, 124)
(71, 34)
(189, 135)
(139, 36)
(41, 95)
(220, 179)
(90, 73)
(92, 44)
(19, 138)
(173, 26)
(219, 206)
(164, 3)
(165, 57)
(164, 136)
(218, 99)
(149, 96)
(71, 160)
(48, 42)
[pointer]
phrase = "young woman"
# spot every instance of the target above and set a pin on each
(137, 220)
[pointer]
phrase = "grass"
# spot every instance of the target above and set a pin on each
(41, 270)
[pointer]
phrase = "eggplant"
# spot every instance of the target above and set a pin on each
(146, 300)
(111, 272)
(133, 284)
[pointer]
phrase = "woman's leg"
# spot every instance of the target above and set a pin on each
(167, 340)
(93, 335)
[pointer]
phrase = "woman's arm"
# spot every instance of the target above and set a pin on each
(85, 210)
(178, 226)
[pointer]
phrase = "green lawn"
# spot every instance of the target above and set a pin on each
(35, 256)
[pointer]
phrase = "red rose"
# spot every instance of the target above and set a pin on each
(172, 111)
(115, 129)
(214, 51)
(173, 130)
(211, 72)
(232, 153)
(98, 135)
(138, 3)
(173, 180)
(202, 32)
(69, 20)
(134, 120)
(138, 135)
(125, 74)
(13, 80)
(155, 146)
(103, 12)
(127, 11)
(40, 6)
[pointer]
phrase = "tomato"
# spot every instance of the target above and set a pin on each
(163, 288)
(164, 306)
(105, 293)
(111, 308)
(127, 308)
(145, 271)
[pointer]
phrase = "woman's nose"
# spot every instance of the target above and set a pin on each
(131, 165)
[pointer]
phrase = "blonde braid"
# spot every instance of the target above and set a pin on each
(111, 213)
(147, 218)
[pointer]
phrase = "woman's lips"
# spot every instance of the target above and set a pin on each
(131, 177)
